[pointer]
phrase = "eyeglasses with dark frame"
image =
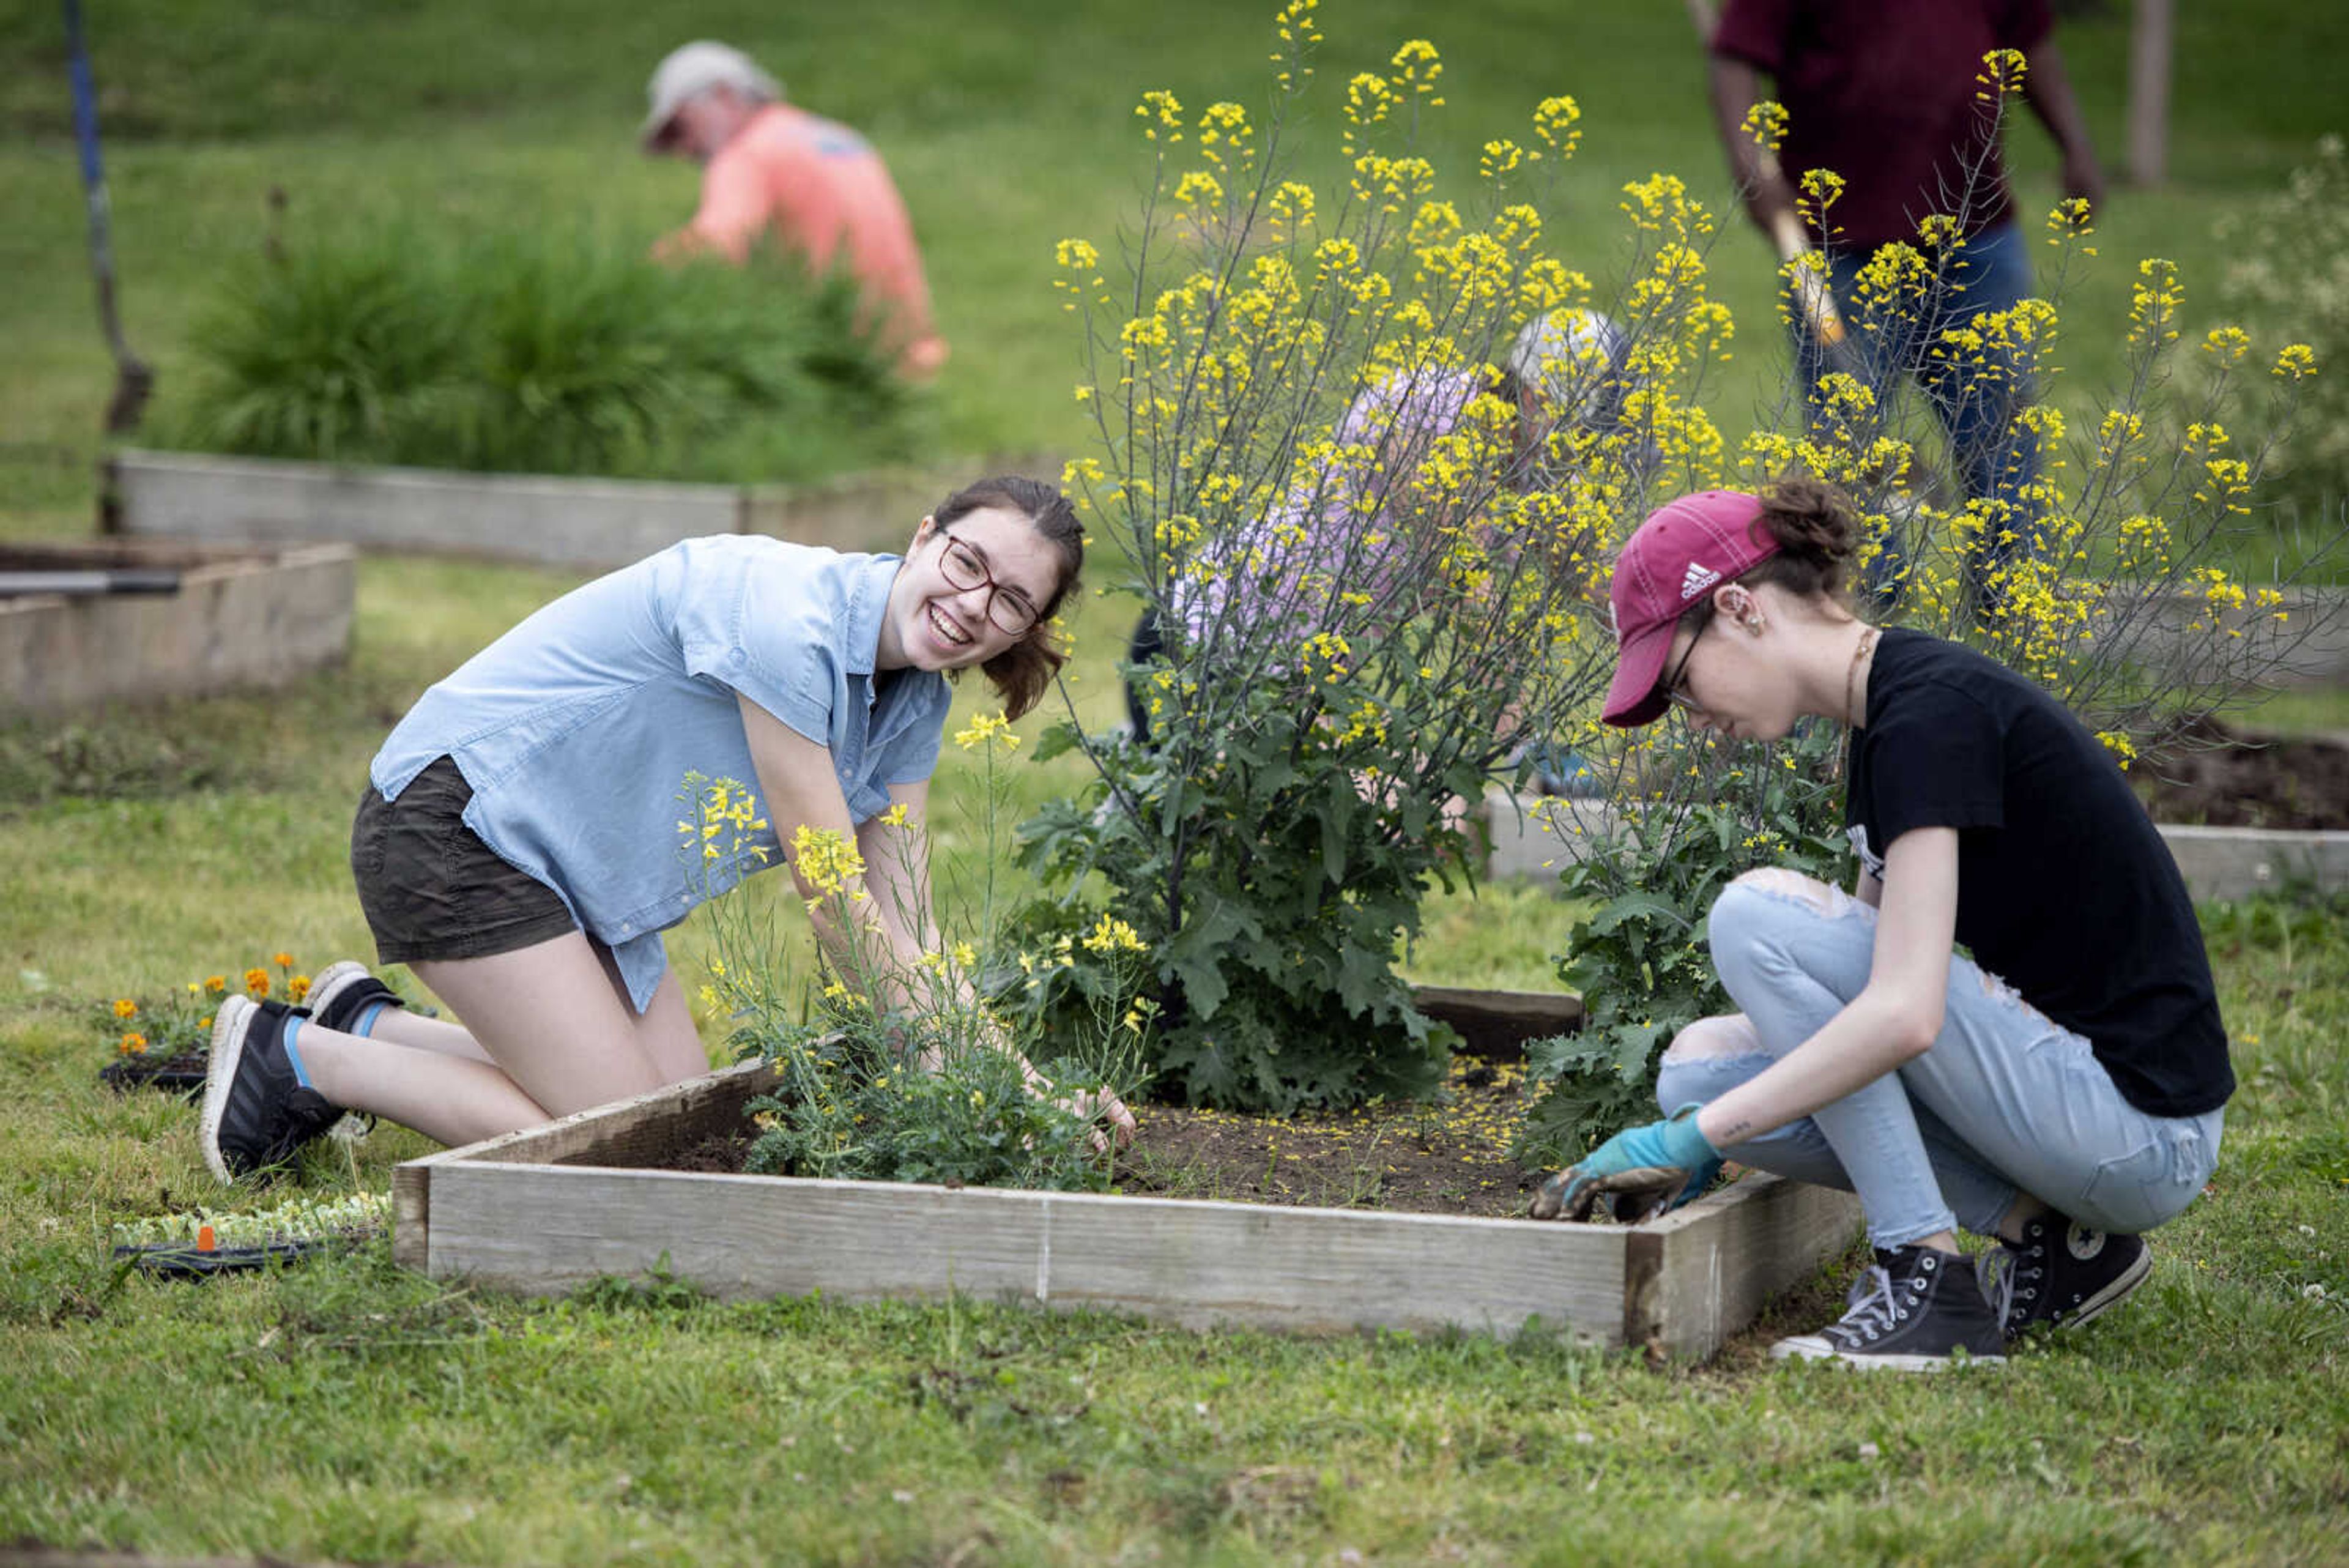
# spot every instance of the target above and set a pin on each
(1008, 609)
(1675, 692)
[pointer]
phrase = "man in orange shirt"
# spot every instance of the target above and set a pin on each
(817, 184)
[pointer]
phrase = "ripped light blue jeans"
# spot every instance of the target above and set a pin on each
(2005, 1102)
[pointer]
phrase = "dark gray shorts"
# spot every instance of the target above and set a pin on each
(429, 886)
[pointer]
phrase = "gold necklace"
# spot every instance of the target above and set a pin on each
(1852, 717)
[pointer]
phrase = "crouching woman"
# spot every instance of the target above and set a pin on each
(2059, 1090)
(516, 844)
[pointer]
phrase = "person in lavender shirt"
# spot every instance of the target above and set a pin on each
(1566, 367)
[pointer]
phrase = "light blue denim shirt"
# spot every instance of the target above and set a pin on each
(577, 728)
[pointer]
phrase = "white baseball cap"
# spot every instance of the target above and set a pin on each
(1568, 355)
(691, 69)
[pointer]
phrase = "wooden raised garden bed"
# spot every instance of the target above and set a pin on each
(1537, 838)
(543, 520)
(243, 616)
(548, 1209)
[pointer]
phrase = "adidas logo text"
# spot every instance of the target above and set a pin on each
(1697, 580)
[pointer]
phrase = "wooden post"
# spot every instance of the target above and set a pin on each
(2150, 38)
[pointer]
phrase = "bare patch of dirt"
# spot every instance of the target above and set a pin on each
(1450, 1157)
(2204, 773)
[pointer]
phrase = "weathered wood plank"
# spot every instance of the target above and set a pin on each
(549, 520)
(411, 1215)
(1538, 838)
(632, 1132)
(583, 523)
(241, 618)
(541, 1229)
(2238, 862)
(1723, 1256)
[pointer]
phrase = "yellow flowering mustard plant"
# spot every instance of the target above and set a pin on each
(1376, 587)
(896, 1064)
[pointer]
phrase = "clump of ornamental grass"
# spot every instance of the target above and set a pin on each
(2102, 581)
(896, 1072)
(1371, 551)
(531, 353)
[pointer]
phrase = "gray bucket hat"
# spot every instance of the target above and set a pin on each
(694, 68)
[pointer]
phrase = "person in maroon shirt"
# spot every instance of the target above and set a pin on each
(1886, 96)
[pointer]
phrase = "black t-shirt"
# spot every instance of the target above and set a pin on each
(2064, 890)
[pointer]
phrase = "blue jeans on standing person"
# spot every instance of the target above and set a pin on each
(1975, 396)
(2005, 1102)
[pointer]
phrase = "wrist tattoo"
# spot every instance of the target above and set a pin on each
(1736, 1131)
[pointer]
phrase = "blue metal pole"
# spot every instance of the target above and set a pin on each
(133, 380)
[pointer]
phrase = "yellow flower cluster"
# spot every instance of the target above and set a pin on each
(1112, 935)
(1557, 127)
(1766, 123)
(827, 862)
(723, 808)
(988, 730)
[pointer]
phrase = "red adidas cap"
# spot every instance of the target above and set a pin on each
(1683, 551)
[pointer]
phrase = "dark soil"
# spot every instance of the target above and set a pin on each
(1446, 1158)
(2205, 774)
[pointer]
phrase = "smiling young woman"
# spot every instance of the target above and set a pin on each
(2058, 1087)
(516, 844)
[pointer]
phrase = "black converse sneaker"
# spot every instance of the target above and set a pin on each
(256, 1113)
(2062, 1274)
(1913, 1311)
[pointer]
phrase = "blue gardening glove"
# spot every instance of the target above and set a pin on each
(1646, 1170)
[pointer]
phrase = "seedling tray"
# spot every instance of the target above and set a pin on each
(183, 1074)
(187, 1261)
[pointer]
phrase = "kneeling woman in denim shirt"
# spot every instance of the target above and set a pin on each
(2060, 1089)
(517, 848)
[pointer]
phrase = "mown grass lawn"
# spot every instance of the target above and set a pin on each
(1006, 131)
(348, 1410)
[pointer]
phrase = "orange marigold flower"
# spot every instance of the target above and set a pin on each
(124, 1007)
(205, 1022)
(256, 980)
(298, 988)
(284, 960)
(132, 1044)
(216, 983)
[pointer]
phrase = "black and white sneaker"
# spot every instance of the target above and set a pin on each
(338, 998)
(1915, 1309)
(345, 989)
(256, 1113)
(2062, 1274)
